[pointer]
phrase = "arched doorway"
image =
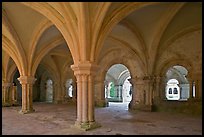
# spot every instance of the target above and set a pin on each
(118, 91)
(49, 91)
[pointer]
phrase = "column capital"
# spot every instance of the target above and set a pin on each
(136, 80)
(148, 79)
(27, 79)
(85, 68)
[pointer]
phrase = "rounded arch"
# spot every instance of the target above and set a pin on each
(126, 53)
(123, 76)
(125, 58)
(175, 62)
(171, 41)
(105, 64)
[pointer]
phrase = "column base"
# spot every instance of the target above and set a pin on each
(26, 111)
(87, 125)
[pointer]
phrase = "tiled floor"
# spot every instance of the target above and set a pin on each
(58, 119)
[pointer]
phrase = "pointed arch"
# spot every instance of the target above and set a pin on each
(16, 46)
(40, 29)
(64, 23)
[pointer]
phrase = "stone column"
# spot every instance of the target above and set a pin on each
(197, 78)
(162, 89)
(57, 93)
(198, 86)
(157, 84)
(190, 88)
(85, 73)
(5, 94)
(156, 90)
(74, 90)
(14, 94)
(149, 89)
(99, 90)
(118, 92)
(137, 93)
(27, 94)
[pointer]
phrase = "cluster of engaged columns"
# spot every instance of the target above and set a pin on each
(9, 94)
(27, 94)
(100, 93)
(142, 93)
(85, 95)
(195, 85)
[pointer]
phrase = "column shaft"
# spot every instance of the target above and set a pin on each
(91, 99)
(84, 99)
(79, 100)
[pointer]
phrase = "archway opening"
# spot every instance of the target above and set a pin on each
(18, 88)
(49, 91)
(177, 86)
(118, 91)
(69, 88)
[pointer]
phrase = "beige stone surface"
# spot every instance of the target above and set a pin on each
(58, 119)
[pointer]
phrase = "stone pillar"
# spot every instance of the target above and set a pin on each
(14, 95)
(74, 90)
(162, 89)
(198, 86)
(99, 89)
(138, 94)
(57, 93)
(197, 78)
(149, 89)
(27, 94)
(118, 90)
(190, 88)
(5, 94)
(157, 84)
(156, 91)
(85, 73)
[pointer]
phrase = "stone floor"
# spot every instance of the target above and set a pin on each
(58, 119)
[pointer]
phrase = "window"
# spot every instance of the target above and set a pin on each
(175, 91)
(170, 91)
